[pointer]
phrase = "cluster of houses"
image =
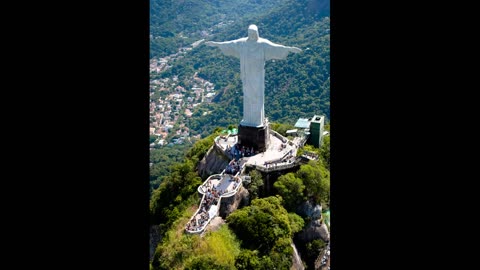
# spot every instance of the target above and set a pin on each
(166, 111)
(175, 105)
(211, 30)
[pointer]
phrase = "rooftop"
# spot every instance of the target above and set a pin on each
(317, 118)
(302, 123)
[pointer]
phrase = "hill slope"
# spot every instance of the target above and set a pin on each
(296, 87)
(175, 23)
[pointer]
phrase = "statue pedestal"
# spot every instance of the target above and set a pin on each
(258, 137)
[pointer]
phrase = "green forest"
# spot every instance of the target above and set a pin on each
(176, 23)
(258, 235)
(298, 86)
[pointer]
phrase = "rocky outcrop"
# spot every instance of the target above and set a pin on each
(324, 233)
(297, 263)
(314, 230)
(310, 210)
(213, 162)
(323, 260)
(318, 261)
(215, 224)
(230, 204)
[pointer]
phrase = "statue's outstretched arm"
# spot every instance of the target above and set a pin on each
(282, 47)
(216, 44)
(227, 47)
(278, 51)
(294, 49)
(211, 43)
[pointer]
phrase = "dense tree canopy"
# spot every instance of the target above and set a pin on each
(178, 250)
(325, 151)
(291, 189)
(310, 182)
(312, 249)
(175, 192)
(256, 184)
(174, 24)
(163, 159)
(267, 227)
(316, 179)
(281, 127)
(261, 224)
(298, 86)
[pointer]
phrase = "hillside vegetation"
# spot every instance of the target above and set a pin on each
(216, 250)
(298, 86)
(257, 236)
(176, 23)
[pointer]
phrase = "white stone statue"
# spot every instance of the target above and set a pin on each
(253, 51)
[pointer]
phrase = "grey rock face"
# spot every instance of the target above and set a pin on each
(324, 233)
(307, 209)
(213, 162)
(230, 204)
(314, 230)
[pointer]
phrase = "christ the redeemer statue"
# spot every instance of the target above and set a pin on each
(253, 51)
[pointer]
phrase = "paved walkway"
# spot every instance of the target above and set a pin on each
(280, 152)
(225, 185)
(225, 141)
(275, 152)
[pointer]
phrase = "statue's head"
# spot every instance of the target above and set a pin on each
(253, 32)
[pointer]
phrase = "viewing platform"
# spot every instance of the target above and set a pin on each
(216, 187)
(279, 155)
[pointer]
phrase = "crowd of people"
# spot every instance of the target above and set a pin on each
(288, 158)
(212, 196)
(238, 151)
(233, 167)
(195, 225)
(237, 181)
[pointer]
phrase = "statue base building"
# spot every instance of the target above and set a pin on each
(256, 137)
